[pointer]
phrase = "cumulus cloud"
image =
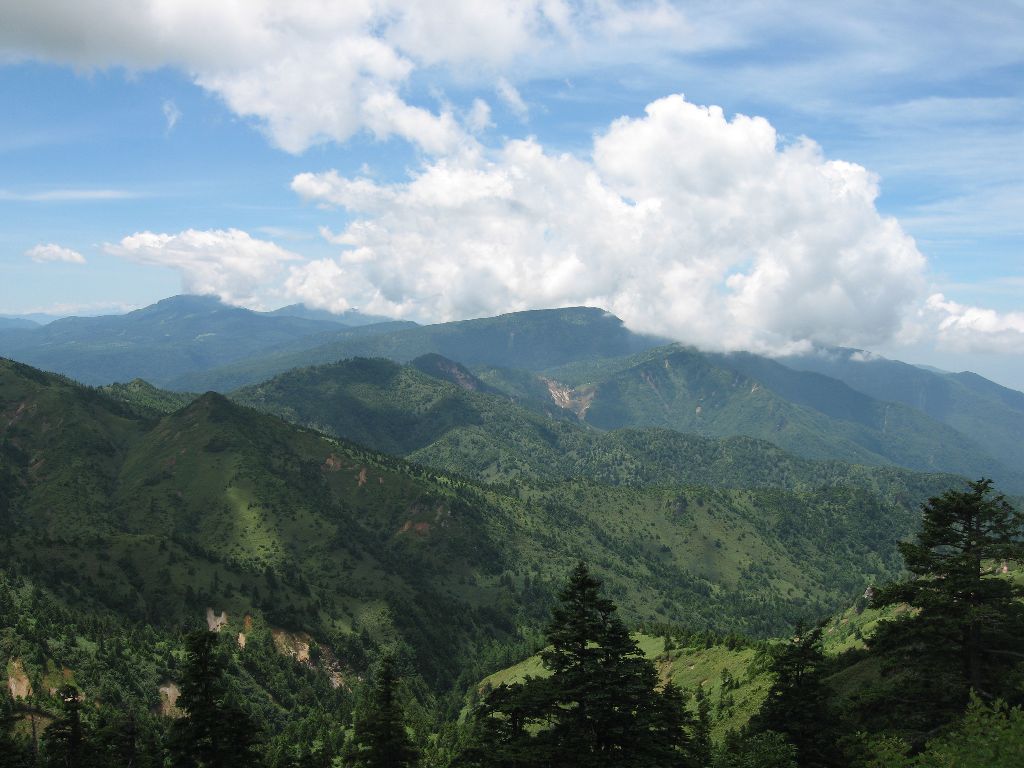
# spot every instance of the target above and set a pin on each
(227, 262)
(311, 71)
(49, 252)
(975, 329)
(682, 222)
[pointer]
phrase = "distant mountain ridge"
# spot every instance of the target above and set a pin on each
(984, 411)
(163, 341)
(576, 362)
(533, 340)
(440, 421)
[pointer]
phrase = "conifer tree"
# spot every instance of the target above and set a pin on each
(215, 732)
(13, 753)
(702, 728)
(381, 740)
(64, 740)
(599, 707)
(797, 705)
(965, 633)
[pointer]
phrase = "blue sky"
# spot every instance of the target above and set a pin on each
(529, 154)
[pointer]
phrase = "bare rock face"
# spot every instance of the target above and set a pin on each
(17, 680)
(215, 622)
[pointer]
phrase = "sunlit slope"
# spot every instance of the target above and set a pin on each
(219, 506)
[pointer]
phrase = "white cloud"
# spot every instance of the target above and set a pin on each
(478, 119)
(512, 98)
(171, 114)
(681, 222)
(52, 252)
(227, 262)
(975, 329)
(312, 71)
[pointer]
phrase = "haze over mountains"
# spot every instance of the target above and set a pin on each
(577, 366)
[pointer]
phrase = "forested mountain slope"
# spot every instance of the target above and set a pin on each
(532, 340)
(984, 411)
(460, 424)
(217, 506)
(803, 412)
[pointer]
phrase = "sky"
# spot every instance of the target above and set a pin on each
(761, 174)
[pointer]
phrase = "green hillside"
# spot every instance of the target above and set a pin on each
(804, 413)
(217, 506)
(984, 411)
(457, 424)
(734, 675)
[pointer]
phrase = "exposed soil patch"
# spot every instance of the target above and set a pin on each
(215, 622)
(18, 412)
(333, 463)
(241, 640)
(169, 693)
(247, 623)
(298, 645)
(294, 644)
(561, 395)
(420, 529)
(664, 672)
(362, 476)
(576, 400)
(17, 680)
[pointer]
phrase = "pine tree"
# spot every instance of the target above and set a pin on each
(797, 705)
(14, 753)
(381, 740)
(215, 732)
(64, 740)
(965, 633)
(599, 706)
(702, 728)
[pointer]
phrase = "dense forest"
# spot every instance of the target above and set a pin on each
(939, 681)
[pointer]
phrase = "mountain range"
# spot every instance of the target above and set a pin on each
(575, 365)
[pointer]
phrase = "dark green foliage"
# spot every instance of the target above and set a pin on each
(702, 728)
(381, 739)
(598, 707)
(64, 741)
(797, 707)
(14, 752)
(767, 749)
(215, 732)
(965, 633)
